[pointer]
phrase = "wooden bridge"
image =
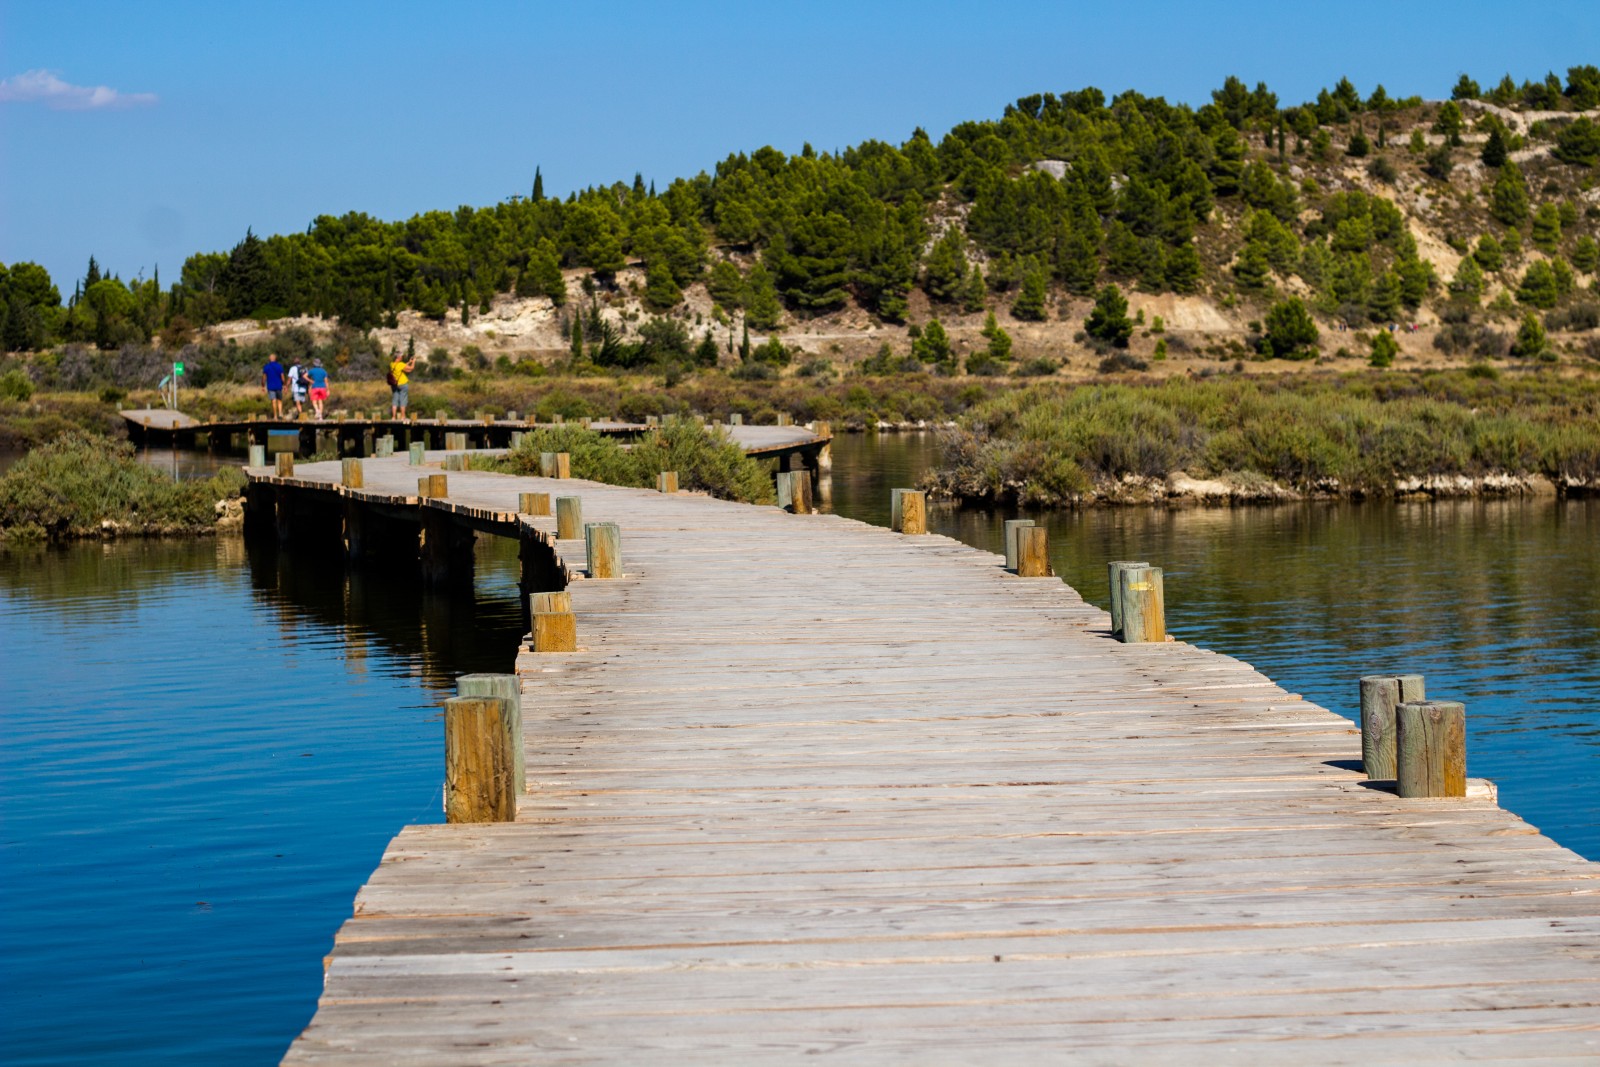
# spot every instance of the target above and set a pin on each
(810, 788)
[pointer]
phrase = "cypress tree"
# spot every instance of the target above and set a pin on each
(538, 186)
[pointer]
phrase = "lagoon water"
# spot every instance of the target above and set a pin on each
(206, 749)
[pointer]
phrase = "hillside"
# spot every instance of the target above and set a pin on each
(1462, 227)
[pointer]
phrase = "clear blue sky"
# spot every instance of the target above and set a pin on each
(214, 117)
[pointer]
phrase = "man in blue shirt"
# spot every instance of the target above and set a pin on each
(272, 377)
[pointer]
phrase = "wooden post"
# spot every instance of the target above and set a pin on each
(1431, 749)
(505, 688)
(516, 438)
(555, 631)
(784, 419)
(1143, 605)
(602, 543)
(350, 474)
(479, 772)
(1381, 694)
(800, 492)
(1033, 552)
(258, 455)
(785, 489)
(1115, 570)
(735, 419)
(533, 503)
(913, 512)
(894, 508)
(569, 518)
(547, 464)
(433, 486)
(667, 482)
(285, 464)
(824, 454)
(1011, 527)
(559, 603)
(419, 453)
(385, 445)
(563, 465)
(455, 462)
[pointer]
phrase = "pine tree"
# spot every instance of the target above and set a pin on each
(1466, 89)
(973, 291)
(1547, 228)
(761, 306)
(1494, 149)
(1359, 145)
(1384, 304)
(1449, 123)
(661, 292)
(1384, 349)
(1586, 254)
(1539, 286)
(1508, 197)
(1488, 253)
(1030, 302)
(1468, 282)
(945, 269)
(92, 275)
(1531, 342)
(1108, 320)
(705, 353)
(1290, 332)
(933, 345)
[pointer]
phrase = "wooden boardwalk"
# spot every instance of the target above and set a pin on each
(815, 789)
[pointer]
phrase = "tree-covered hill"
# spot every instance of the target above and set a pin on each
(1350, 209)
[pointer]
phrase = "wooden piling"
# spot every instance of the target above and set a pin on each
(454, 462)
(385, 445)
(895, 496)
(1380, 696)
(1143, 605)
(563, 465)
(1114, 571)
(667, 482)
(569, 518)
(602, 543)
(559, 603)
(285, 464)
(913, 511)
(434, 486)
(735, 419)
(533, 503)
(555, 631)
(1431, 749)
(505, 688)
(1033, 552)
(350, 474)
(1011, 528)
(419, 453)
(479, 770)
(800, 499)
(258, 455)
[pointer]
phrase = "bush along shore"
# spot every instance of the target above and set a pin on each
(1237, 440)
(705, 459)
(82, 486)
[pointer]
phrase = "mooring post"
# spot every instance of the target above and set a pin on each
(602, 544)
(913, 511)
(533, 503)
(1033, 552)
(506, 688)
(479, 769)
(569, 518)
(667, 482)
(419, 453)
(350, 474)
(1143, 605)
(555, 631)
(1011, 528)
(1381, 694)
(285, 464)
(1114, 570)
(1431, 749)
(258, 455)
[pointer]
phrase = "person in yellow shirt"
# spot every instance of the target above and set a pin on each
(399, 392)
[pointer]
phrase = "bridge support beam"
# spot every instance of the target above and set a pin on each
(446, 551)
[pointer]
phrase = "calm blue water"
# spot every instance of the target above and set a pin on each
(204, 756)
(205, 751)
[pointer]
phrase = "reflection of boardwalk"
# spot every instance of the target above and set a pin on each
(813, 787)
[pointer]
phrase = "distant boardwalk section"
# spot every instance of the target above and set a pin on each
(809, 789)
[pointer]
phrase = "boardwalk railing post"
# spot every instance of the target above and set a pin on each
(479, 769)
(1033, 552)
(563, 465)
(1381, 694)
(555, 631)
(506, 688)
(667, 482)
(1115, 570)
(258, 455)
(285, 464)
(1143, 605)
(908, 511)
(1431, 749)
(533, 503)
(569, 518)
(1011, 528)
(419, 453)
(350, 474)
(455, 462)
(559, 603)
(800, 492)
(602, 546)
(433, 486)
(385, 445)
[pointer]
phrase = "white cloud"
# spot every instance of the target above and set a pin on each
(45, 87)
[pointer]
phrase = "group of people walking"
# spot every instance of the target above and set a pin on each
(305, 384)
(310, 385)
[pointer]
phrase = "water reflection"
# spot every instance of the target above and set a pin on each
(1496, 601)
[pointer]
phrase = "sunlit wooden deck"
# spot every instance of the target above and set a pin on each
(812, 788)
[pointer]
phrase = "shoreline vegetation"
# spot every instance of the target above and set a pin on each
(1233, 441)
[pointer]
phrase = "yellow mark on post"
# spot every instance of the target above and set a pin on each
(1140, 587)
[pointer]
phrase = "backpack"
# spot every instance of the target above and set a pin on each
(390, 378)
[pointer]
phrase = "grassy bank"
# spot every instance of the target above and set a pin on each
(83, 486)
(1355, 435)
(706, 461)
